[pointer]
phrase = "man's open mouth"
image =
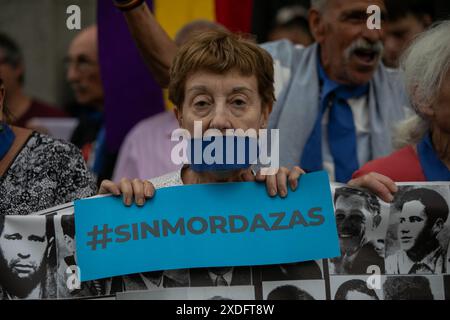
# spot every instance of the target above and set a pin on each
(367, 56)
(345, 235)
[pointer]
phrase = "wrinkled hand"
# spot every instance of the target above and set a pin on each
(278, 184)
(380, 185)
(140, 190)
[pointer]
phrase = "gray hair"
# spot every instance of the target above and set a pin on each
(410, 131)
(425, 65)
(319, 5)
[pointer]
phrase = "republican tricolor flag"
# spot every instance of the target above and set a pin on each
(236, 15)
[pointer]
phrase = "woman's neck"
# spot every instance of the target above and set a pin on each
(441, 143)
(191, 177)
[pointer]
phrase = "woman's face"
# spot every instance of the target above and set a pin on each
(222, 102)
(440, 113)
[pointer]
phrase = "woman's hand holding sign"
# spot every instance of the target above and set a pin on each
(142, 190)
(278, 184)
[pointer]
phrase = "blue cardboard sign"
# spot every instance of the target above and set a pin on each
(196, 226)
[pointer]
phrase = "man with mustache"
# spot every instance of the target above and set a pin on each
(336, 103)
(355, 211)
(423, 213)
(25, 247)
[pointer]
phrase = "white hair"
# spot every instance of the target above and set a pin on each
(410, 131)
(425, 65)
(319, 5)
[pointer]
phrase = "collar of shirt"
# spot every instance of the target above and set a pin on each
(433, 261)
(227, 276)
(153, 282)
(343, 91)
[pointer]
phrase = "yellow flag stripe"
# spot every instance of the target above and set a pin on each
(174, 14)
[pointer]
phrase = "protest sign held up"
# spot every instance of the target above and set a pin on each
(206, 226)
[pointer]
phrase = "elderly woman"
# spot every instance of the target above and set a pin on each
(424, 139)
(225, 82)
(36, 171)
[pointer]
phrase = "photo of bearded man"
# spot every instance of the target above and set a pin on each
(27, 258)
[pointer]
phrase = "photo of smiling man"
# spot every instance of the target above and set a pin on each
(27, 258)
(360, 221)
(419, 223)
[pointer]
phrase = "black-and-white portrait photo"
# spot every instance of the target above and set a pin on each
(413, 288)
(68, 275)
(362, 222)
(417, 240)
(222, 293)
(220, 276)
(197, 293)
(294, 290)
(27, 257)
(355, 288)
(308, 270)
(155, 294)
(154, 280)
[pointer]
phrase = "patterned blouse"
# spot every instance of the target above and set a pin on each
(45, 173)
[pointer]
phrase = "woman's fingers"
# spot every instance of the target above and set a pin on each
(278, 184)
(271, 185)
(138, 191)
(282, 177)
(107, 187)
(381, 185)
(386, 181)
(127, 191)
(294, 175)
(248, 176)
(149, 189)
(260, 177)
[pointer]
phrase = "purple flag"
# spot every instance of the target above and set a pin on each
(131, 93)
